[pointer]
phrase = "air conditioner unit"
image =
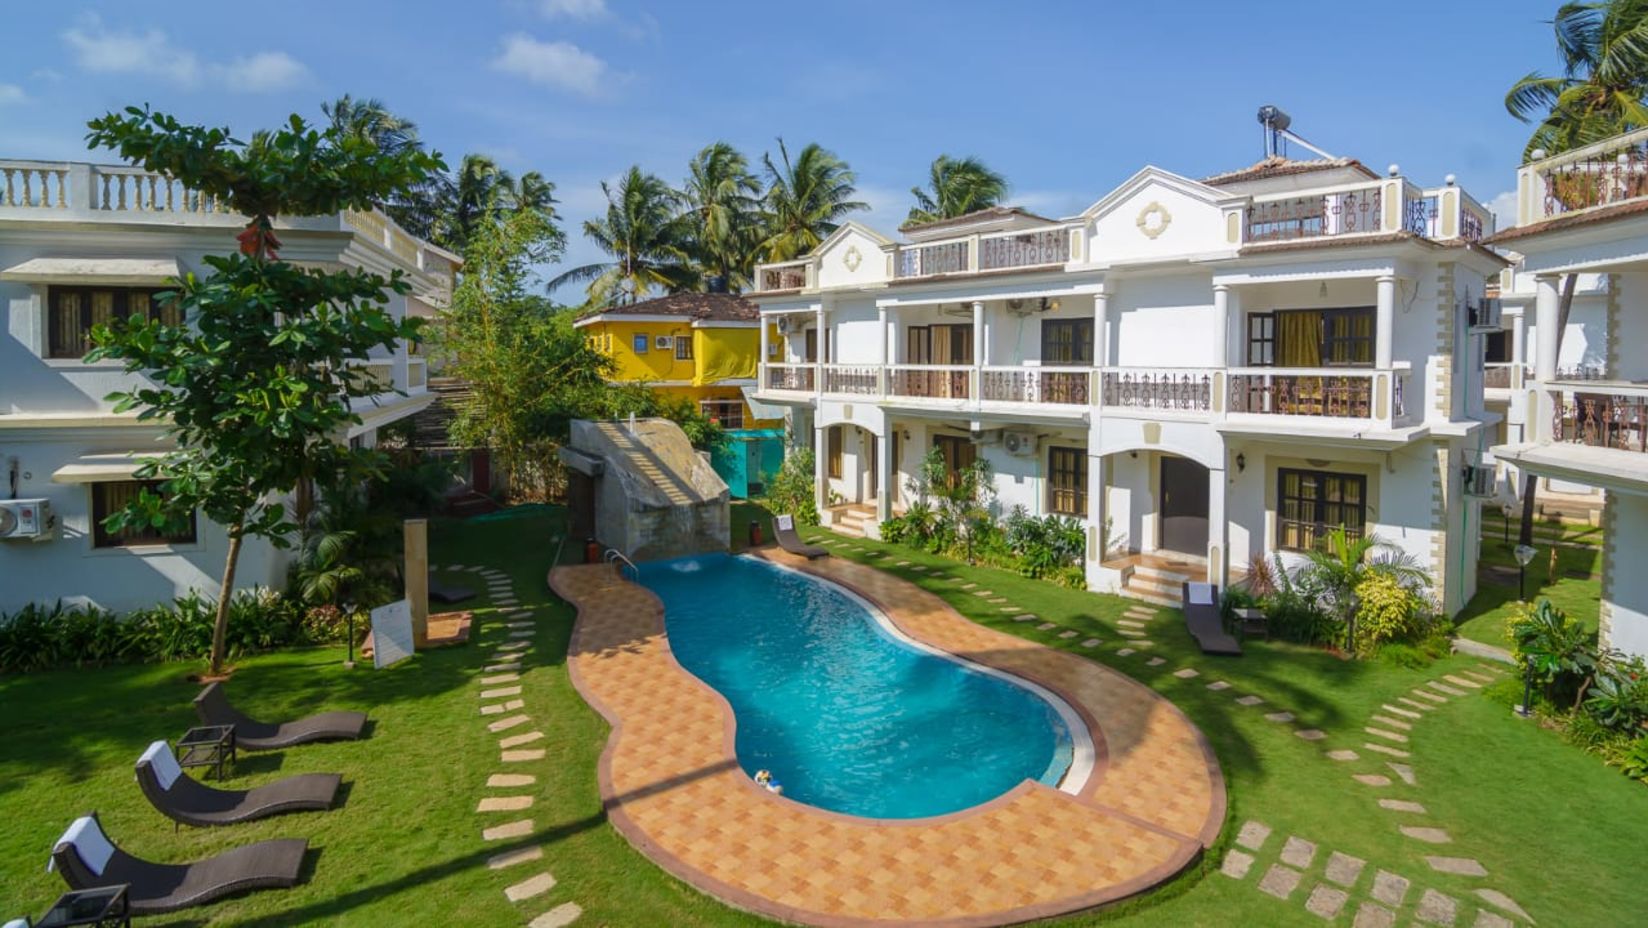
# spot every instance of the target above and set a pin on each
(783, 325)
(1018, 444)
(1481, 481)
(30, 519)
(1484, 314)
(663, 343)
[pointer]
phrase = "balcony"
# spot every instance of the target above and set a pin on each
(1601, 414)
(1185, 390)
(790, 275)
(930, 381)
(1607, 173)
(1503, 375)
(998, 251)
(1344, 211)
(72, 186)
(791, 378)
(1055, 386)
(852, 379)
(1319, 393)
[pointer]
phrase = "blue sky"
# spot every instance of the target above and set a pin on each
(1066, 99)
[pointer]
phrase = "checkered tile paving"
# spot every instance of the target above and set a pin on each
(672, 784)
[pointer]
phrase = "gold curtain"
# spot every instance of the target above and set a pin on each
(68, 336)
(1299, 339)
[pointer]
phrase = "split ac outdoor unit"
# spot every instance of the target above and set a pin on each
(663, 343)
(30, 519)
(1481, 481)
(1484, 314)
(1019, 444)
(783, 325)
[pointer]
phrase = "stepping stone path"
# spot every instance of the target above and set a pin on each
(1311, 734)
(518, 829)
(1437, 909)
(1325, 901)
(1373, 916)
(1458, 866)
(1298, 852)
(511, 858)
(507, 780)
(1045, 626)
(1027, 617)
(1218, 685)
(1499, 900)
(1279, 717)
(1187, 673)
(1091, 643)
(1344, 869)
(1280, 882)
(1124, 652)
(1390, 888)
(1249, 700)
(1343, 755)
(1427, 835)
(1009, 608)
(1253, 835)
(504, 804)
(1401, 805)
(533, 886)
(1155, 662)
(559, 917)
(1067, 633)
(1371, 779)
(502, 707)
(1237, 864)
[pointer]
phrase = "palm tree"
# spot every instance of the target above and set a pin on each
(1604, 51)
(371, 119)
(1337, 568)
(647, 235)
(722, 197)
(956, 187)
(806, 200)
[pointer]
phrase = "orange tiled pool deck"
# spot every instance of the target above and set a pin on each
(672, 786)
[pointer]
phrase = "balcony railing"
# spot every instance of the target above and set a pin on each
(1062, 386)
(937, 258)
(1614, 416)
(852, 379)
(1502, 375)
(1317, 393)
(417, 375)
(800, 378)
(1346, 212)
(791, 275)
(65, 185)
(1023, 249)
(1611, 171)
(1185, 389)
(930, 381)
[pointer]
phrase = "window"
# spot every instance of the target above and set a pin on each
(1311, 338)
(729, 413)
(1067, 481)
(1261, 340)
(640, 344)
(1348, 337)
(1310, 503)
(832, 437)
(108, 498)
(73, 311)
(1067, 341)
(959, 453)
(683, 347)
(1497, 348)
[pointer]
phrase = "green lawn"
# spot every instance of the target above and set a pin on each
(1559, 832)
(1573, 583)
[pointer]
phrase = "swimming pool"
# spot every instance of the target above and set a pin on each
(848, 714)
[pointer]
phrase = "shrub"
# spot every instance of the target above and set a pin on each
(1555, 648)
(1043, 546)
(1387, 611)
(1619, 698)
(1632, 758)
(1295, 614)
(791, 492)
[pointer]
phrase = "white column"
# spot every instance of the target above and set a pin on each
(1098, 504)
(885, 355)
(821, 465)
(1221, 323)
(1218, 531)
(1101, 329)
(1547, 309)
(761, 365)
(978, 333)
(885, 491)
(1519, 346)
(1384, 324)
(823, 339)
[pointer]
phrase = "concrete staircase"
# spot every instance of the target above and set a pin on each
(853, 519)
(1160, 581)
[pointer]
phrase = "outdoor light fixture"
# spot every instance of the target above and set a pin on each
(1241, 462)
(1524, 556)
(1047, 304)
(1507, 510)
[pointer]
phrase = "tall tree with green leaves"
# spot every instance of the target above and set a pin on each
(955, 187)
(723, 198)
(254, 390)
(1604, 79)
(648, 236)
(370, 118)
(807, 199)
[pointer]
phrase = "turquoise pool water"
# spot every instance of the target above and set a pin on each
(847, 716)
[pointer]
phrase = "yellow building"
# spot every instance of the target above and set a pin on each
(702, 346)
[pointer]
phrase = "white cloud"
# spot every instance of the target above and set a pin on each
(573, 9)
(554, 64)
(264, 72)
(1504, 209)
(149, 52)
(11, 93)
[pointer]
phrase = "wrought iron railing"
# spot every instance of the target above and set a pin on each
(1323, 395)
(852, 379)
(1499, 375)
(1602, 420)
(930, 381)
(1065, 387)
(791, 276)
(1023, 249)
(1155, 389)
(926, 260)
(795, 377)
(1343, 213)
(1608, 172)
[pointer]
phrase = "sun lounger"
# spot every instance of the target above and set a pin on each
(88, 859)
(784, 530)
(1201, 610)
(213, 707)
(183, 799)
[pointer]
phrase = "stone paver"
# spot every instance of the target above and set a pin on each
(1092, 643)
(1155, 662)
(1009, 609)
(1278, 717)
(1253, 835)
(1218, 685)
(1427, 694)
(1248, 700)
(1344, 869)
(1389, 722)
(505, 724)
(1427, 835)
(1501, 901)
(1067, 633)
(514, 646)
(499, 708)
(1325, 901)
(1124, 652)
(1390, 888)
(968, 586)
(505, 667)
(1129, 623)
(996, 600)
(523, 756)
(1298, 852)
(515, 741)
(1371, 779)
(532, 886)
(509, 830)
(1187, 673)
(1027, 617)
(1343, 754)
(1405, 772)
(500, 678)
(1311, 734)
(1398, 710)
(501, 692)
(1129, 633)
(1402, 805)
(1487, 919)
(1415, 704)
(523, 633)
(1386, 749)
(1387, 735)
(1458, 866)
(1279, 881)
(559, 917)
(513, 858)
(984, 593)
(504, 804)
(1370, 915)
(1461, 681)
(505, 780)
(1237, 864)
(1445, 688)
(1046, 626)
(1437, 909)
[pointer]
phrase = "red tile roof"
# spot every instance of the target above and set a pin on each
(718, 307)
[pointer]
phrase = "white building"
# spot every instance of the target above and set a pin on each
(81, 244)
(1586, 213)
(1221, 369)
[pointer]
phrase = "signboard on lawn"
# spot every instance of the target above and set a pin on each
(391, 634)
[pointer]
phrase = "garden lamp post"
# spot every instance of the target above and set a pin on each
(1526, 709)
(1507, 510)
(1524, 555)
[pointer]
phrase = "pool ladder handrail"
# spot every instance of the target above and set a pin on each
(615, 555)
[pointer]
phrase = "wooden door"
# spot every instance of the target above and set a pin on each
(1184, 506)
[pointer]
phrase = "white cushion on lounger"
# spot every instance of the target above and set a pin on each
(89, 842)
(1201, 594)
(17, 923)
(786, 523)
(165, 767)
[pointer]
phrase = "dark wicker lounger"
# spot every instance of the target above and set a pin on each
(784, 530)
(1201, 609)
(213, 708)
(88, 859)
(184, 799)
